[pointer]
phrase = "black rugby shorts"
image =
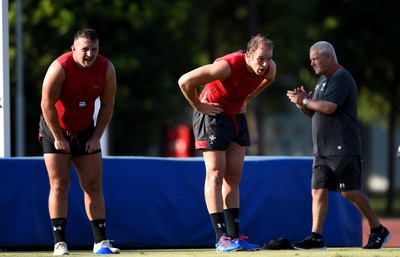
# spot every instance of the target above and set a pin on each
(217, 132)
(337, 173)
(77, 142)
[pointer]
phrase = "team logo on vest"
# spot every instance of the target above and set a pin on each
(82, 104)
(323, 86)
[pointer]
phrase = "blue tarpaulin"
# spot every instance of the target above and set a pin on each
(159, 203)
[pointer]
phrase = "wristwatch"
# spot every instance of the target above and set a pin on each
(305, 102)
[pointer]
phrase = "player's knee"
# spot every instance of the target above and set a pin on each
(349, 195)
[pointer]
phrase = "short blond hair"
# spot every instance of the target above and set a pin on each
(258, 40)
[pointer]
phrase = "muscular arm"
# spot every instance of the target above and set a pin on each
(321, 106)
(51, 90)
(107, 100)
(190, 82)
(297, 96)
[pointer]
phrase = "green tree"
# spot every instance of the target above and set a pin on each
(153, 42)
(144, 40)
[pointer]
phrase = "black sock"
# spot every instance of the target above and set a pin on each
(218, 223)
(99, 230)
(58, 225)
(377, 230)
(316, 235)
(232, 222)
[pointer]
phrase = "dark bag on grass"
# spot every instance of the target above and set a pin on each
(280, 244)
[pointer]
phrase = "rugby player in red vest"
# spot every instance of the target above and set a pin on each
(221, 132)
(68, 133)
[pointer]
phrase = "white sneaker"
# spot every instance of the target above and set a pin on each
(105, 244)
(60, 248)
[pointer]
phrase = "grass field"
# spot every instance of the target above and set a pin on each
(331, 252)
(377, 201)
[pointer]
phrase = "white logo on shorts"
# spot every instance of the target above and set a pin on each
(212, 139)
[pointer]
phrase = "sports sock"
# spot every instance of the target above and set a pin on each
(58, 225)
(218, 223)
(99, 230)
(377, 230)
(232, 222)
(316, 235)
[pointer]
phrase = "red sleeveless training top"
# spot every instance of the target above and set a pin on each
(232, 92)
(81, 88)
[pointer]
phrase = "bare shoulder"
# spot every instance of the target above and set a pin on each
(272, 65)
(111, 68)
(55, 73)
(55, 67)
(272, 71)
(221, 69)
(210, 72)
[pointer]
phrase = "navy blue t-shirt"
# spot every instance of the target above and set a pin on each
(339, 132)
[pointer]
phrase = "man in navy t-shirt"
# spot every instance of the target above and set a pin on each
(336, 145)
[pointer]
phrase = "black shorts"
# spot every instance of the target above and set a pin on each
(217, 132)
(77, 142)
(337, 173)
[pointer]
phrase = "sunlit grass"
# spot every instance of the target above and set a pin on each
(331, 252)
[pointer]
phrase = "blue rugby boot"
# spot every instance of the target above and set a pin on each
(225, 244)
(241, 240)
